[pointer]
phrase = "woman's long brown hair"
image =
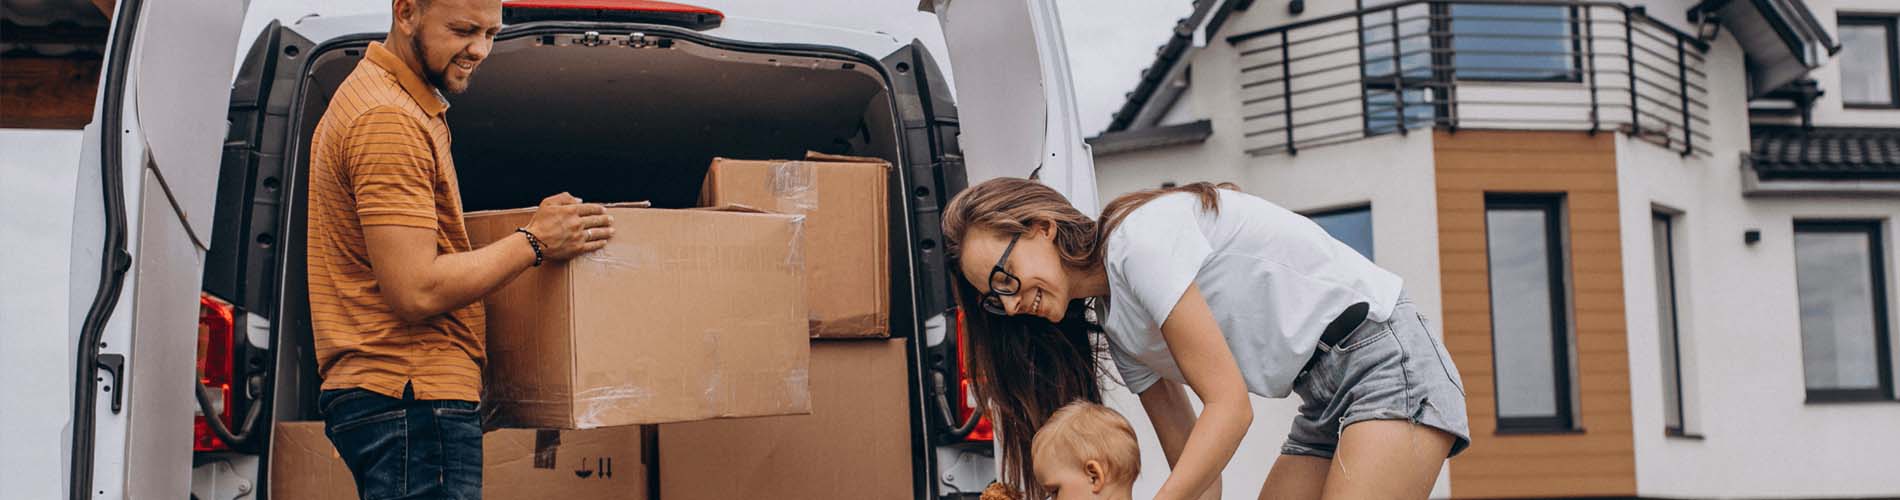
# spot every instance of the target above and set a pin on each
(1024, 368)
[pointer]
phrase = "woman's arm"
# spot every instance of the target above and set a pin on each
(1173, 416)
(1201, 352)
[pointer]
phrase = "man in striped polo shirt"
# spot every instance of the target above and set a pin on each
(395, 289)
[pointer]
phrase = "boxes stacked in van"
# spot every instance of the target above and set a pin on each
(634, 363)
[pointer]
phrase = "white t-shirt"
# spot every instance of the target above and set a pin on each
(1273, 278)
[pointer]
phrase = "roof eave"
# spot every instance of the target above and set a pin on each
(1793, 24)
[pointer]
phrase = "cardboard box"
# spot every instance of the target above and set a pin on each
(685, 315)
(305, 466)
(536, 464)
(847, 237)
(516, 464)
(854, 444)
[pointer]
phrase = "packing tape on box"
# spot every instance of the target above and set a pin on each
(593, 405)
(794, 185)
(796, 257)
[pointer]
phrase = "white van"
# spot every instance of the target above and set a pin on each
(190, 199)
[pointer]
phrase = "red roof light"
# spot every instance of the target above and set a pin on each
(637, 11)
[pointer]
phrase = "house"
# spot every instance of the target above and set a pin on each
(1657, 236)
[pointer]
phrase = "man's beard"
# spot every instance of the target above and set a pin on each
(436, 76)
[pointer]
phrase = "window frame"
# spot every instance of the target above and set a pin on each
(1883, 347)
(1891, 23)
(1668, 265)
(1564, 418)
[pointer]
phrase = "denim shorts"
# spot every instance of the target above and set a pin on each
(405, 448)
(1390, 370)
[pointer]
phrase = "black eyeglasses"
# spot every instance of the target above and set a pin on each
(1002, 283)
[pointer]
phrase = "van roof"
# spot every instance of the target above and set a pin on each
(319, 29)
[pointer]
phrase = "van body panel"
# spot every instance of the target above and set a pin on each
(137, 260)
(161, 366)
(999, 49)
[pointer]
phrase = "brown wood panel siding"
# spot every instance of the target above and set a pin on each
(47, 92)
(1600, 460)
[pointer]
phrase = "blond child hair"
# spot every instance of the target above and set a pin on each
(1082, 431)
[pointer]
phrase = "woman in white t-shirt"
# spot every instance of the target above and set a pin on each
(1224, 292)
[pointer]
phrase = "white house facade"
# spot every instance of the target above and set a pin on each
(1656, 235)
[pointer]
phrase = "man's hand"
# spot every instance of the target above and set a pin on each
(567, 228)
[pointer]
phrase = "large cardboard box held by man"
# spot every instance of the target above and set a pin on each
(517, 464)
(846, 234)
(685, 315)
(854, 444)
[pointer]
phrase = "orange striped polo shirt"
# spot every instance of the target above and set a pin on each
(380, 156)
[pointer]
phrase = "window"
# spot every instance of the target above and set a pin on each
(1352, 226)
(1840, 278)
(1514, 42)
(1869, 43)
(1530, 331)
(1663, 234)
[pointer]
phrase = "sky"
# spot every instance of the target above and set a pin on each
(1109, 41)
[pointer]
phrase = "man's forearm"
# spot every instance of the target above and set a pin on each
(455, 280)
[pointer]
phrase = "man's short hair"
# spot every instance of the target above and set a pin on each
(1083, 431)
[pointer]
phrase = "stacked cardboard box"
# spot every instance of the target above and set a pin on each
(856, 443)
(516, 464)
(846, 231)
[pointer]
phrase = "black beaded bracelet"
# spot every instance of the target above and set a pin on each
(534, 243)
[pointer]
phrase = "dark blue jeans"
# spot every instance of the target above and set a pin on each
(406, 448)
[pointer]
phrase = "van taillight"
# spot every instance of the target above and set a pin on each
(215, 369)
(691, 17)
(967, 404)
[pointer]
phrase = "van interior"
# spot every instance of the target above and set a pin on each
(550, 113)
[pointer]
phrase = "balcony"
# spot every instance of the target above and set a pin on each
(1472, 64)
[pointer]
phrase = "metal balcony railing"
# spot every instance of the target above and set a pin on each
(1479, 64)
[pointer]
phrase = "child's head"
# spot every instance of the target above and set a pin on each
(1086, 450)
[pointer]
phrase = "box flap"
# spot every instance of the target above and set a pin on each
(530, 210)
(733, 207)
(817, 156)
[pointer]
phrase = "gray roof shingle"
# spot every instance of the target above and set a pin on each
(1845, 153)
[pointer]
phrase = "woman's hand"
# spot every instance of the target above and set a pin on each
(1198, 449)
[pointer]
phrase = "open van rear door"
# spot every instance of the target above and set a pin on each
(1015, 94)
(141, 216)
